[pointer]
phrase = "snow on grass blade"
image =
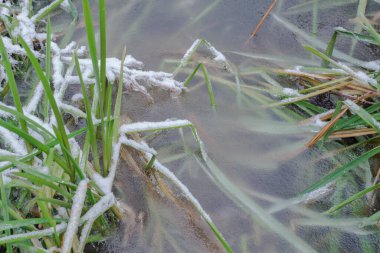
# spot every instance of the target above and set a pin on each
(49, 94)
(163, 125)
(46, 10)
(76, 210)
(359, 75)
(13, 86)
(363, 114)
(185, 191)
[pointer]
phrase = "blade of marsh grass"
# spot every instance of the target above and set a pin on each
(45, 11)
(202, 14)
(332, 176)
(314, 41)
(306, 6)
(50, 96)
(47, 215)
(30, 139)
(56, 202)
(307, 96)
(356, 36)
(97, 105)
(191, 76)
(363, 114)
(49, 146)
(330, 49)
(34, 234)
(107, 137)
(32, 124)
(325, 129)
(5, 214)
(209, 86)
(13, 86)
(339, 65)
(41, 181)
(353, 198)
(187, 57)
(370, 29)
(117, 108)
(47, 65)
(250, 206)
(13, 224)
(90, 124)
(103, 46)
(360, 11)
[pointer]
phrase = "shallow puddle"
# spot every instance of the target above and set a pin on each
(258, 160)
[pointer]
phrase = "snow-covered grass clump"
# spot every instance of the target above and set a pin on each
(56, 192)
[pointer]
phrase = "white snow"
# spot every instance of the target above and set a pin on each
(359, 75)
(77, 97)
(99, 208)
(190, 51)
(372, 65)
(290, 92)
(150, 126)
(76, 210)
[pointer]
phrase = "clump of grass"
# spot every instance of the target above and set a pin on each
(353, 86)
(56, 193)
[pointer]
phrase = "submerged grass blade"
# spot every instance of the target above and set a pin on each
(363, 114)
(209, 86)
(251, 207)
(342, 170)
(353, 198)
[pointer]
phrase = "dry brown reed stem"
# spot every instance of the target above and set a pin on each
(352, 133)
(307, 96)
(326, 128)
(255, 31)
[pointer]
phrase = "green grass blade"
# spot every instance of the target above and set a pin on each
(97, 102)
(354, 108)
(13, 86)
(5, 214)
(45, 11)
(341, 170)
(209, 86)
(90, 124)
(191, 76)
(50, 96)
(47, 65)
(119, 95)
(23, 223)
(103, 47)
(330, 49)
(353, 198)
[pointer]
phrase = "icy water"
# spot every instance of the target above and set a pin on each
(257, 157)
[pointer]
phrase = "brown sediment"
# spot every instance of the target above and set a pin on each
(139, 186)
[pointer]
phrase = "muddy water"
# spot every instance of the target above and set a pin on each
(260, 153)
